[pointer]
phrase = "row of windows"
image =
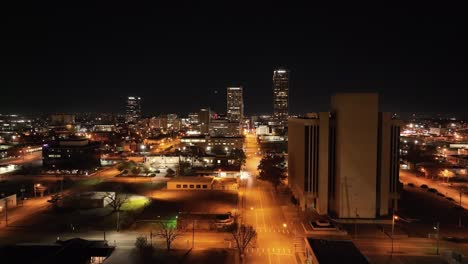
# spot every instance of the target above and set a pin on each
(191, 186)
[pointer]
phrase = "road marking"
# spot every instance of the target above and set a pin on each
(256, 218)
(261, 204)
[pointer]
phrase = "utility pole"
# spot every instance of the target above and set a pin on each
(355, 224)
(118, 220)
(22, 190)
(394, 217)
(61, 186)
(151, 238)
(193, 232)
(6, 212)
(437, 227)
(460, 216)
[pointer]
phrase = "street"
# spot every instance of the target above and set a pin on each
(261, 209)
(408, 177)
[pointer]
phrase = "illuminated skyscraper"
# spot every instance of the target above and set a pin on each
(133, 109)
(235, 104)
(281, 95)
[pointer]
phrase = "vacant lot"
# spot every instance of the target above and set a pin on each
(429, 208)
(167, 203)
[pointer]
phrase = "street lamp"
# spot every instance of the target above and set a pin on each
(35, 188)
(394, 217)
(437, 228)
(285, 225)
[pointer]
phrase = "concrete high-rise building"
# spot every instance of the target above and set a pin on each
(281, 95)
(235, 104)
(204, 118)
(133, 109)
(345, 163)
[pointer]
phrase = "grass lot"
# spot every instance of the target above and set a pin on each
(135, 203)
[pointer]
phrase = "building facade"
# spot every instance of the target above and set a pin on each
(224, 127)
(70, 154)
(345, 163)
(281, 95)
(204, 118)
(133, 109)
(235, 104)
(210, 143)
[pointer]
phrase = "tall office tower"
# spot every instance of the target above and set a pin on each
(235, 104)
(133, 109)
(280, 95)
(204, 118)
(345, 163)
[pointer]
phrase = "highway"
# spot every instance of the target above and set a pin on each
(262, 210)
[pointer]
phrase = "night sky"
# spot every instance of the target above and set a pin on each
(181, 58)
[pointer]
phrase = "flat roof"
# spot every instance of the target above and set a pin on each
(194, 179)
(336, 251)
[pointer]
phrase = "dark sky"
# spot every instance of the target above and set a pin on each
(89, 57)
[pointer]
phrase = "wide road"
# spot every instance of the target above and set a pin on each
(261, 210)
(35, 157)
(453, 192)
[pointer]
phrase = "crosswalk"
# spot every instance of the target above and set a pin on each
(271, 251)
(272, 230)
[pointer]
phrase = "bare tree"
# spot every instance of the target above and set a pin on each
(244, 235)
(117, 200)
(168, 231)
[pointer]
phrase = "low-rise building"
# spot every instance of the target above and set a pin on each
(7, 202)
(203, 183)
(322, 251)
(190, 183)
(88, 200)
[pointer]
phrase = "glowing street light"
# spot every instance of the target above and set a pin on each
(394, 217)
(285, 225)
(437, 228)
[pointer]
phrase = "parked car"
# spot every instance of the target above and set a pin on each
(432, 190)
(411, 184)
(424, 186)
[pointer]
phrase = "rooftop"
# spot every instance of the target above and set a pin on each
(336, 251)
(195, 179)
